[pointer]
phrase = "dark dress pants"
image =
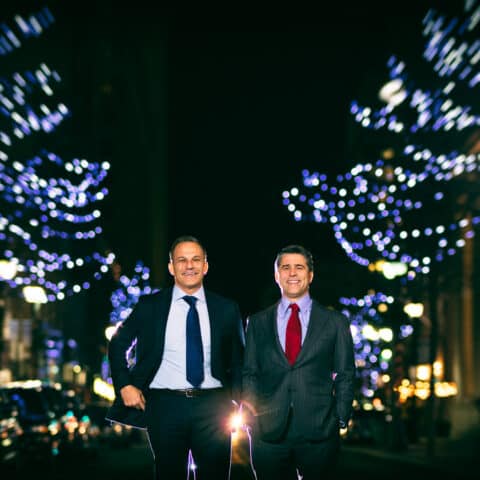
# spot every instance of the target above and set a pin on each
(281, 460)
(178, 424)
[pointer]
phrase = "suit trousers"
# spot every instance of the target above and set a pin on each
(177, 425)
(293, 454)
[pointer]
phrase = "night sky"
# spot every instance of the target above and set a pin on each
(241, 100)
(255, 98)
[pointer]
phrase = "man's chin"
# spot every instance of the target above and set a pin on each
(191, 286)
(295, 295)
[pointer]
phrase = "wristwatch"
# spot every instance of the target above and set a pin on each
(342, 424)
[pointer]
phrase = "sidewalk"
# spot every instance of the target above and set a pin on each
(452, 458)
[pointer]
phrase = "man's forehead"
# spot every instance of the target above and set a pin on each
(188, 249)
(292, 259)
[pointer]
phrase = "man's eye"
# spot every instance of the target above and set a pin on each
(184, 260)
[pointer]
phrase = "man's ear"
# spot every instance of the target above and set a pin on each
(205, 268)
(170, 268)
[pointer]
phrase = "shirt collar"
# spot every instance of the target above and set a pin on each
(304, 303)
(178, 294)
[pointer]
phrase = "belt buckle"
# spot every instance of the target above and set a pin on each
(189, 393)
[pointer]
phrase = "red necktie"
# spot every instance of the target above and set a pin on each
(293, 338)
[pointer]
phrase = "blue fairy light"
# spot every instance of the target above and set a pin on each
(379, 209)
(49, 206)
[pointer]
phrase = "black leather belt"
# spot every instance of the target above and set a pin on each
(189, 392)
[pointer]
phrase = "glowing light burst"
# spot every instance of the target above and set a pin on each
(373, 338)
(403, 206)
(49, 214)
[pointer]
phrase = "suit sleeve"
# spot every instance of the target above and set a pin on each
(237, 349)
(119, 344)
(344, 369)
(250, 371)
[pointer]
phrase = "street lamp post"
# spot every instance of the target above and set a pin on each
(415, 312)
(8, 270)
(393, 272)
(433, 299)
(36, 296)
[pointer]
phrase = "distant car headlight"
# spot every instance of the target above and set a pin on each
(54, 427)
(39, 429)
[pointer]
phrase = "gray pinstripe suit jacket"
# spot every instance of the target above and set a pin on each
(319, 385)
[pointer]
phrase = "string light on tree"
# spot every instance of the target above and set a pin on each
(23, 28)
(123, 299)
(129, 290)
(49, 207)
(373, 338)
(403, 206)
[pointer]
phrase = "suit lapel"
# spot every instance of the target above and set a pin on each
(274, 340)
(214, 314)
(160, 316)
(314, 327)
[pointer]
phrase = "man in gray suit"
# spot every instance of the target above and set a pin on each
(298, 377)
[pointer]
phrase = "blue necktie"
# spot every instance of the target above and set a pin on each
(194, 344)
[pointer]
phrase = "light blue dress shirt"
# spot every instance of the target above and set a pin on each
(283, 314)
(172, 372)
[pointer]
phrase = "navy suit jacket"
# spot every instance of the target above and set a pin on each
(318, 386)
(146, 326)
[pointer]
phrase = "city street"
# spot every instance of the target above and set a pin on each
(328, 160)
(356, 462)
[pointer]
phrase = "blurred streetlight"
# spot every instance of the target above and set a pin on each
(109, 331)
(390, 270)
(8, 269)
(413, 310)
(393, 93)
(34, 295)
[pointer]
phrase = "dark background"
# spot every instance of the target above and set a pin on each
(208, 114)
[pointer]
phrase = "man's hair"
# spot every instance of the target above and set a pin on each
(295, 249)
(186, 238)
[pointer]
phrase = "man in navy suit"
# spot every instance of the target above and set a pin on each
(182, 395)
(298, 377)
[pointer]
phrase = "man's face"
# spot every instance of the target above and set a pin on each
(188, 266)
(293, 276)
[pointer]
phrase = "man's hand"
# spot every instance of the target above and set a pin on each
(132, 397)
(343, 426)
